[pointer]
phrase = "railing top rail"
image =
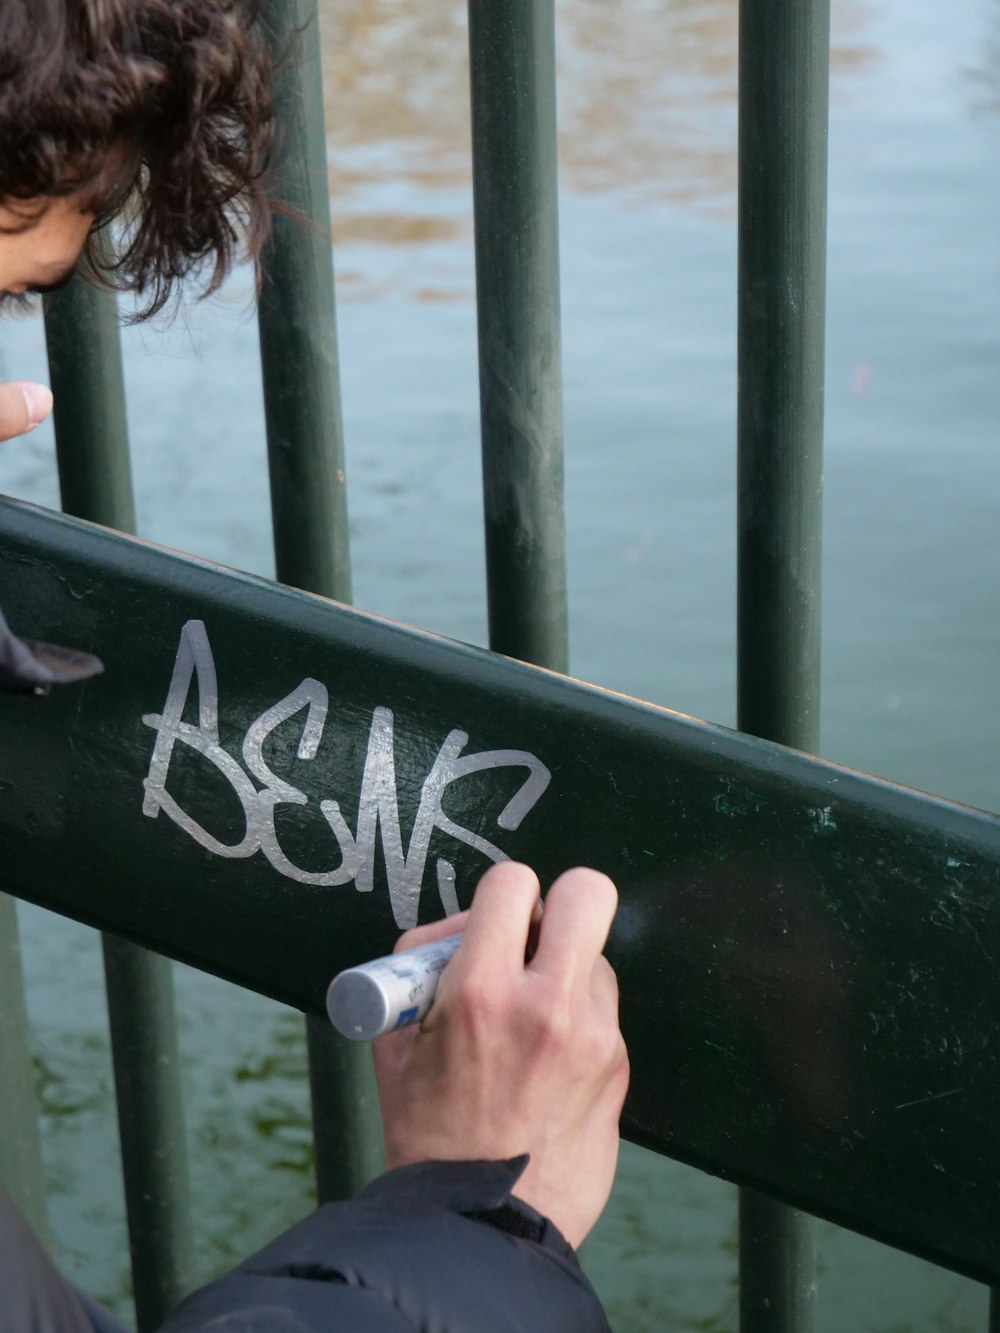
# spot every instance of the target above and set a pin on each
(807, 955)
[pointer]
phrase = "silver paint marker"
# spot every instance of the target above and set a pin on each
(388, 993)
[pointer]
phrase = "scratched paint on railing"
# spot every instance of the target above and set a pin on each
(378, 805)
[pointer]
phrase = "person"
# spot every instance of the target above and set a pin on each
(154, 115)
(500, 1116)
(501, 1111)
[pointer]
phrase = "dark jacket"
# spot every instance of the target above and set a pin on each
(440, 1247)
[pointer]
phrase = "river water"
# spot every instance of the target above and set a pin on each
(912, 555)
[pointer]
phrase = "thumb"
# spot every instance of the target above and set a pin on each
(23, 406)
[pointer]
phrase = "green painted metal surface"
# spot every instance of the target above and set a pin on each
(95, 482)
(300, 370)
(20, 1150)
(783, 96)
(777, 1265)
(807, 955)
(512, 68)
(143, 1027)
(297, 322)
(784, 79)
(85, 365)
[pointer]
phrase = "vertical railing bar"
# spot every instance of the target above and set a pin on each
(95, 481)
(994, 1310)
(512, 65)
(346, 1121)
(298, 344)
(783, 115)
(21, 1171)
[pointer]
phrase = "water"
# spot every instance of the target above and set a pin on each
(912, 560)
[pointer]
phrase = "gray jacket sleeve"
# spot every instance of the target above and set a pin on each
(440, 1246)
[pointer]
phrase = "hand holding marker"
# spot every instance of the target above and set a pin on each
(393, 992)
(390, 992)
(496, 1068)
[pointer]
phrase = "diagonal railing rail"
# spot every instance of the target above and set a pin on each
(269, 785)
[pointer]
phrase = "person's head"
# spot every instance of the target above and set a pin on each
(156, 112)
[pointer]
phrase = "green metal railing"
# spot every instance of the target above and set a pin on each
(783, 99)
(95, 481)
(305, 450)
(645, 794)
(20, 1147)
(512, 60)
(799, 946)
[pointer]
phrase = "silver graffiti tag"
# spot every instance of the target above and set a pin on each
(378, 807)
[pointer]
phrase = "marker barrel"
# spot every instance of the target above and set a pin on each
(390, 992)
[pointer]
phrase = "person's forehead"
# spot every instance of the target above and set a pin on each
(41, 218)
(40, 241)
(16, 219)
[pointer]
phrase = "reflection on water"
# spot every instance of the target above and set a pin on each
(647, 108)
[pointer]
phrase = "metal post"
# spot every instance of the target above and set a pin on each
(95, 471)
(95, 483)
(298, 329)
(784, 82)
(346, 1120)
(298, 347)
(994, 1310)
(20, 1151)
(512, 50)
(777, 1267)
(151, 1127)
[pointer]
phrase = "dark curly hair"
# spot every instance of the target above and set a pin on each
(155, 112)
